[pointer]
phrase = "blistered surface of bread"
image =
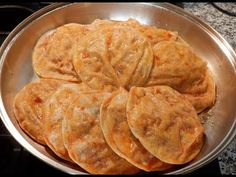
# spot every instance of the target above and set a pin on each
(152, 33)
(165, 123)
(202, 99)
(52, 55)
(119, 136)
(177, 66)
(28, 106)
(84, 138)
(113, 57)
(53, 114)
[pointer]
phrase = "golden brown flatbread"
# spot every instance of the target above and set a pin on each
(202, 99)
(113, 57)
(28, 106)
(117, 133)
(52, 55)
(152, 33)
(84, 138)
(54, 112)
(177, 66)
(165, 123)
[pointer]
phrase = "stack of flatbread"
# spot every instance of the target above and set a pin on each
(116, 97)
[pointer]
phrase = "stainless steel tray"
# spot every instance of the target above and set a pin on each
(16, 67)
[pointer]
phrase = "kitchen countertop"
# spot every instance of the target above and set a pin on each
(225, 25)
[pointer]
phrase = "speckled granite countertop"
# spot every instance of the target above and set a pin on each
(226, 25)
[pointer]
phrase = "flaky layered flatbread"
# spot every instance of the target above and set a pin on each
(53, 114)
(28, 106)
(52, 55)
(113, 57)
(84, 139)
(119, 137)
(165, 123)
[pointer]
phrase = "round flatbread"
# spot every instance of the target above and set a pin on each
(177, 66)
(84, 139)
(113, 57)
(54, 112)
(152, 33)
(165, 123)
(28, 106)
(203, 99)
(52, 55)
(117, 133)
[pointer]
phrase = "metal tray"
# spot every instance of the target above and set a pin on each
(16, 68)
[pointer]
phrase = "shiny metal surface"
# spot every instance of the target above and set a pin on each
(16, 67)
